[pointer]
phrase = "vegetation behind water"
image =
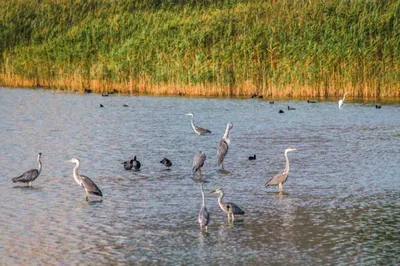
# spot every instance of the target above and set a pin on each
(209, 48)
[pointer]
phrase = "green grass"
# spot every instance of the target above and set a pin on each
(275, 48)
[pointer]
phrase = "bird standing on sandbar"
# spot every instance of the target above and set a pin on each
(198, 130)
(230, 208)
(281, 178)
(85, 182)
(30, 175)
(223, 145)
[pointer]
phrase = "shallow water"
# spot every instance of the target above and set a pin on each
(341, 203)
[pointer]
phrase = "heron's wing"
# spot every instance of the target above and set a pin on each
(90, 186)
(28, 176)
(222, 151)
(198, 161)
(201, 130)
(279, 178)
(233, 208)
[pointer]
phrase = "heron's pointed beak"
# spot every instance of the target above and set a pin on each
(213, 191)
(67, 161)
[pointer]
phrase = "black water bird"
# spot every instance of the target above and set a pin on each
(281, 112)
(101, 105)
(166, 162)
(378, 106)
(252, 158)
(260, 96)
(125, 105)
(253, 95)
(290, 108)
(104, 94)
(311, 101)
(132, 163)
(87, 90)
(271, 102)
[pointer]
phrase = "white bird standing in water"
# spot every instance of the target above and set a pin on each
(223, 145)
(84, 181)
(340, 103)
(30, 175)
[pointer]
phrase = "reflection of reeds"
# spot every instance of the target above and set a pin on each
(277, 49)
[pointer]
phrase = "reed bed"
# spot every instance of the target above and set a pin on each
(202, 48)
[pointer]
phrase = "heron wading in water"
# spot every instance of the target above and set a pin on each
(85, 182)
(230, 208)
(198, 130)
(281, 178)
(198, 161)
(204, 216)
(340, 103)
(30, 175)
(223, 145)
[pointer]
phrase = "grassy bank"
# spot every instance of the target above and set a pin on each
(229, 48)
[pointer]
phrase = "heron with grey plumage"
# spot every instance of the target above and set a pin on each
(29, 176)
(230, 208)
(281, 178)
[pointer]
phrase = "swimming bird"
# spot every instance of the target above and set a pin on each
(231, 209)
(223, 145)
(166, 162)
(281, 111)
(281, 178)
(198, 130)
(30, 175)
(290, 108)
(198, 161)
(311, 101)
(85, 182)
(104, 94)
(101, 105)
(340, 103)
(252, 158)
(378, 106)
(271, 102)
(125, 105)
(204, 216)
(132, 163)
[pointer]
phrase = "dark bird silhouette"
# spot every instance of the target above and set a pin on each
(30, 175)
(125, 105)
(132, 163)
(251, 158)
(104, 94)
(271, 102)
(378, 106)
(101, 105)
(311, 101)
(166, 162)
(281, 112)
(290, 108)
(253, 95)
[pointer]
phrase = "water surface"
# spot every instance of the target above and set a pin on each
(340, 205)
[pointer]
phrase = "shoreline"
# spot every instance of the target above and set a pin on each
(349, 98)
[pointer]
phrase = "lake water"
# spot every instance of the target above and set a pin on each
(341, 203)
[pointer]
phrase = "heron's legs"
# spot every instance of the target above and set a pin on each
(206, 228)
(222, 166)
(87, 195)
(280, 187)
(233, 217)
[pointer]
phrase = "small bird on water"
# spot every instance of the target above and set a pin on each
(252, 158)
(132, 163)
(30, 175)
(166, 162)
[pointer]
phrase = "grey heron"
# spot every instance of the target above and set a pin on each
(281, 178)
(198, 161)
(223, 145)
(166, 162)
(231, 209)
(84, 181)
(340, 103)
(198, 130)
(204, 216)
(30, 175)
(132, 163)
(252, 158)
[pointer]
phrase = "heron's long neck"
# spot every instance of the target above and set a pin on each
(202, 194)
(40, 165)
(226, 135)
(344, 96)
(287, 163)
(220, 203)
(192, 121)
(75, 172)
